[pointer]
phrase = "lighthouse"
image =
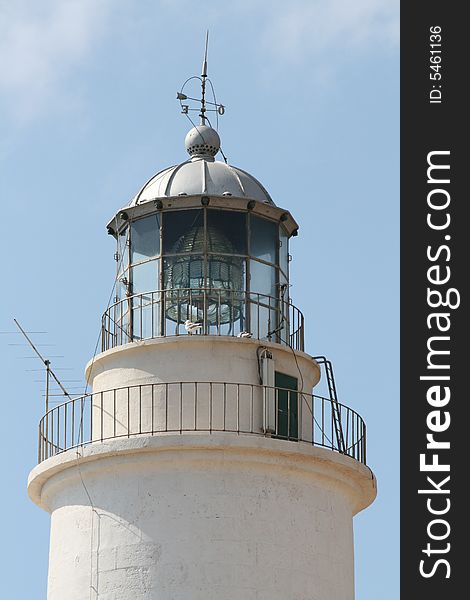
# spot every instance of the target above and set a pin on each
(202, 465)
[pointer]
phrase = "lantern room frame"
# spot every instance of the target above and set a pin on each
(260, 303)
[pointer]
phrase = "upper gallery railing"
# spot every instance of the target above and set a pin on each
(219, 312)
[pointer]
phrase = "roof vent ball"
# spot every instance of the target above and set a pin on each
(202, 141)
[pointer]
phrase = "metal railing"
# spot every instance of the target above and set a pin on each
(220, 312)
(238, 408)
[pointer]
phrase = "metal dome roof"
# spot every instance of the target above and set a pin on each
(202, 174)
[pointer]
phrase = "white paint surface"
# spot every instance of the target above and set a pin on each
(201, 517)
(194, 358)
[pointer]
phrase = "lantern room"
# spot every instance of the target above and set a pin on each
(202, 242)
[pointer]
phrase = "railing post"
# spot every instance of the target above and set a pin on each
(364, 438)
(288, 415)
(58, 429)
(152, 426)
(73, 422)
(218, 313)
(205, 320)
(140, 409)
(252, 413)
(66, 406)
(238, 408)
(91, 417)
(353, 436)
(178, 311)
(181, 407)
(152, 304)
(128, 414)
(210, 406)
(141, 313)
(131, 319)
(80, 428)
(103, 333)
(166, 406)
(225, 407)
(276, 411)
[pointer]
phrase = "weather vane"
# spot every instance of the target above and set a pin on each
(215, 107)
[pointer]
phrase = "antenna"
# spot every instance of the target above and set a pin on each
(216, 107)
(49, 372)
(203, 82)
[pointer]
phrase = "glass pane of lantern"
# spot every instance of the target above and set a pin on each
(116, 328)
(226, 232)
(264, 319)
(263, 239)
(145, 277)
(262, 279)
(225, 272)
(145, 323)
(122, 250)
(284, 316)
(183, 272)
(183, 231)
(182, 304)
(283, 251)
(122, 285)
(284, 308)
(183, 280)
(145, 238)
(123, 333)
(225, 303)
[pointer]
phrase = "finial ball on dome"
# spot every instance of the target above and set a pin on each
(202, 141)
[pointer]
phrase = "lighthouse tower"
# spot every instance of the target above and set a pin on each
(201, 466)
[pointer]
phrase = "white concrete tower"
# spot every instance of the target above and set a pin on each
(202, 467)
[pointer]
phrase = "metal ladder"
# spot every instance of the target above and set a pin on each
(335, 409)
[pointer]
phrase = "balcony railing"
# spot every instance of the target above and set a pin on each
(238, 408)
(220, 312)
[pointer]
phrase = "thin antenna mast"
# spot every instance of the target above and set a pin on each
(49, 372)
(203, 82)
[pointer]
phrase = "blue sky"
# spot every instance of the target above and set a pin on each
(88, 113)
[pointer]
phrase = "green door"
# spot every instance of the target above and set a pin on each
(287, 406)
